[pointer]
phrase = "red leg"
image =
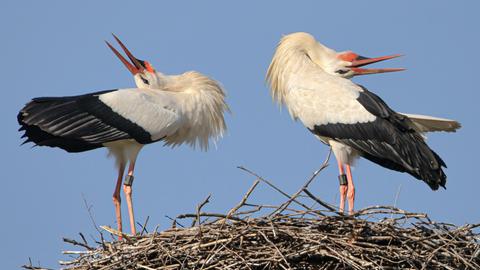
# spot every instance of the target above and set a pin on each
(116, 198)
(351, 191)
(127, 188)
(343, 188)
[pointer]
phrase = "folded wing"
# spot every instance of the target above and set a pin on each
(388, 140)
(85, 122)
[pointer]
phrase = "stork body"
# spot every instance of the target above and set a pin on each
(186, 108)
(313, 82)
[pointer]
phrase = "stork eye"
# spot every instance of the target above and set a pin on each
(145, 81)
(341, 71)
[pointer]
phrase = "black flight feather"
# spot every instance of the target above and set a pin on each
(76, 123)
(388, 141)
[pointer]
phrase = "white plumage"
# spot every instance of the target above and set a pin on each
(156, 111)
(425, 123)
(337, 101)
(176, 109)
(313, 82)
(186, 109)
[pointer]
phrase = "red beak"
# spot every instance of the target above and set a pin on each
(359, 61)
(136, 66)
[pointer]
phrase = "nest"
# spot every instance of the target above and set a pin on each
(292, 235)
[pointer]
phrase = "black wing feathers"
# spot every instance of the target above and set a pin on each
(94, 106)
(76, 123)
(388, 141)
(376, 106)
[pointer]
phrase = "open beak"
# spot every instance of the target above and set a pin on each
(360, 61)
(136, 66)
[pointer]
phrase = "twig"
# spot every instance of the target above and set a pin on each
(287, 203)
(174, 222)
(31, 267)
(117, 233)
(397, 194)
(182, 216)
(276, 248)
(324, 204)
(73, 242)
(145, 267)
(144, 226)
(199, 207)
(243, 201)
(90, 214)
(273, 186)
(83, 238)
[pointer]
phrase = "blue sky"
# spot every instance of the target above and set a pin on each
(56, 48)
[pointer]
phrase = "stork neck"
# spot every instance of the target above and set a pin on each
(202, 104)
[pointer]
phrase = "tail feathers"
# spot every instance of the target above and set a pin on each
(425, 123)
(431, 170)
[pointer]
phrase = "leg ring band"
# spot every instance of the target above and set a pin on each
(128, 180)
(342, 178)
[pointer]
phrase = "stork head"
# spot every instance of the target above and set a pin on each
(143, 72)
(344, 64)
(302, 53)
(350, 64)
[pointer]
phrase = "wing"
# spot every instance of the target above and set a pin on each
(425, 123)
(387, 139)
(156, 112)
(80, 123)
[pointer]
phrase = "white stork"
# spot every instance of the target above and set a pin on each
(175, 109)
(313, 82)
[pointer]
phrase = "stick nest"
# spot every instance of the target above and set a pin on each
(254, 236)
(298, 241)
